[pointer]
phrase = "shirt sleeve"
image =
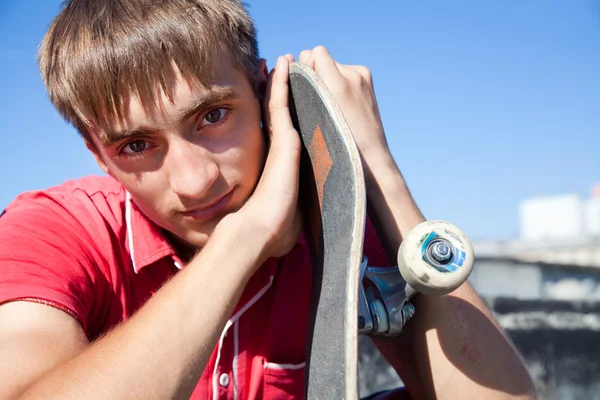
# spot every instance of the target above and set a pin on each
(46, 257)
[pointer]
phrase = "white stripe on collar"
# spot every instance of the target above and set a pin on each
(128, 208)
(128, 211)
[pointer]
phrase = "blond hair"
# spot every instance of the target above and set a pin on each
(98, 51)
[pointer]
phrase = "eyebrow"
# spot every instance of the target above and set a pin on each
(216, 95)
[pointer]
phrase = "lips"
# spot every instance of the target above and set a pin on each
(211, 210)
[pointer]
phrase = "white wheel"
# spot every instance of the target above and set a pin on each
(435, 258)
(379, 314)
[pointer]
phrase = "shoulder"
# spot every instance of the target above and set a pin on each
(85, 215)
(90, 186)
(59, 247)
(80, 198)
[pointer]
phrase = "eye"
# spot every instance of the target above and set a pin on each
(214, 116)
(135, 147)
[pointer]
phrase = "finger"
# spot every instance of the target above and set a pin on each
(356, 70)
(328, 70)
(271, 88)
(304, 55)
(311, 60)
(308, 58)
(277, 98)
(266, 99)
(290, 58)
(284, 153)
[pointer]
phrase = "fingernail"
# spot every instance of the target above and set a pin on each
(279, 62)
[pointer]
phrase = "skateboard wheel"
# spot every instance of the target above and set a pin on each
(381, 322)
(435, 258)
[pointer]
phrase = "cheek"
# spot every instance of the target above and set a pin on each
(153, 207)
(254, 152)
(146, 188)
(242, 163)
(246, 148)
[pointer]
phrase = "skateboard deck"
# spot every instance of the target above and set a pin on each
(333, 199)
(434, 258)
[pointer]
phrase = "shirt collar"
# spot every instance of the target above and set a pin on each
(147, 242)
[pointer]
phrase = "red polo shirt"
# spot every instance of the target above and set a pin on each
(85, 248)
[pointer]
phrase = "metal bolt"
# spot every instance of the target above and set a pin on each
(441, 251)
(408, 310)
(375, 314)
(361, 322)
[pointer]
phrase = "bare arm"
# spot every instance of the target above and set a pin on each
(33, 339)
(45, 343)
(162, 350)
(455, 349)
(170, 339)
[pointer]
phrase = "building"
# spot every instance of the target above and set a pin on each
(544, 290)
(556, 257)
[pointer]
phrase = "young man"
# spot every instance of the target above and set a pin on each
(202, 163)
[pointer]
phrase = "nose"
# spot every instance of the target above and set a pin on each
(192, 169)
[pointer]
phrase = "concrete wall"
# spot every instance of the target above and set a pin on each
(506, 278)
(551, 312)
(559, 340)
(497, 277)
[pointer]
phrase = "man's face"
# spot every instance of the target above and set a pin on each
(195, 159)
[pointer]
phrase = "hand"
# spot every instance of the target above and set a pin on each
(352, 87)
(270, 219)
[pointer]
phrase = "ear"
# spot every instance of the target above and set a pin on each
(94, 149)
(262, 76)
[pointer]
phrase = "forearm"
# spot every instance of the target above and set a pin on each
(391, 205)
(455, 348)
(163, 349)
(459, 348)
(457, 351)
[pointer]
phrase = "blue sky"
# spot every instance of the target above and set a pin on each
(485, 103)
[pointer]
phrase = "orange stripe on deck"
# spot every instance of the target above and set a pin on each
(321, 163)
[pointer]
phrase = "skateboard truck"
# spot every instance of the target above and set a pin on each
(384, 298)
(434, 259)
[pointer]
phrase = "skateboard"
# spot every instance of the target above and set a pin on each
(349, 297)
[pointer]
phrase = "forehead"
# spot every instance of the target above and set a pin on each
(169, 106)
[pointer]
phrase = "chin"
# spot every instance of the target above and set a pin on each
(196, 239)
(197, 234)
(187, 241)
(199, 238)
